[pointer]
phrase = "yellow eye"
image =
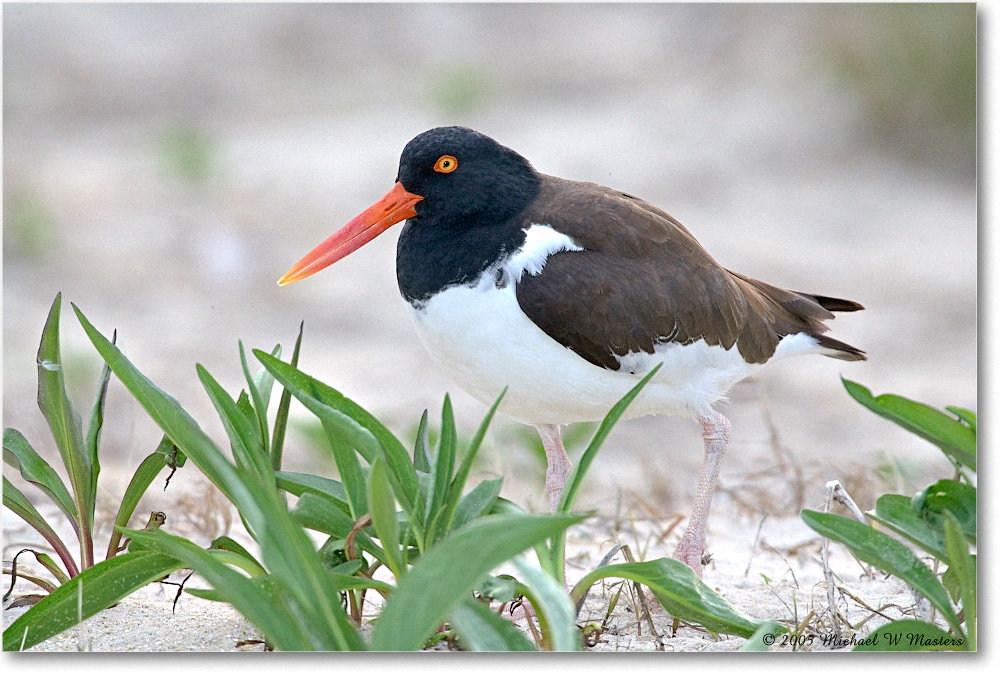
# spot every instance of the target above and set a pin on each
(445, 164)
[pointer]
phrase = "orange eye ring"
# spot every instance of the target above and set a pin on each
(445, 164)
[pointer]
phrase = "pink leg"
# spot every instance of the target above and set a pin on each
(692, 544)
(558, 462)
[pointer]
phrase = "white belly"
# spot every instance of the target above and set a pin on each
(484, 342)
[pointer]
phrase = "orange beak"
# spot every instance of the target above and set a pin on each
(397, 205)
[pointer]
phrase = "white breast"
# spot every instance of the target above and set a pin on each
(484, 342)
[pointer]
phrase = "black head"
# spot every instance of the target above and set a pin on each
(465, 176)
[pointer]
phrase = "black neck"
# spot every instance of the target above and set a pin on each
(432, 256)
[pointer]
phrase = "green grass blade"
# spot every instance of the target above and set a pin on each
(241, 429)
(352, 477)
(443, 578)
(93, 440)
(18, 453)
(281, 417)
(505, 507)
(260, 386)
(290, 556)
(452, 501)
(483, 630)
(955, 439)
(580, 470)
(102, 585)
(227, 544)
(576, 475)
(681, 593)
(383, 512)
(421, 447)
(14, 500)
(318, 513)
(964, 567)
(910, 635)
(881, 550)
(897, 513)
(285, 549)
(442, 468)
(444, 461)
(321, 399)
(67, 430)
(555, 611)
(141, 480)
(321, 515)
(300, 483)
(178, 425)
(346, 582)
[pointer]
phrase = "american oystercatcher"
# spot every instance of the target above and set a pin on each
(567, 293)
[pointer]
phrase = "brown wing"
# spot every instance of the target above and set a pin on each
(642, 280)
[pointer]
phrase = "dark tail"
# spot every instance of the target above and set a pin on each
(841, 350)
(834, 304)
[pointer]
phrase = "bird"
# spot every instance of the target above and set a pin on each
(567, 293)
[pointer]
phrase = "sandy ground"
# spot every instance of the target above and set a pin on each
(767, 567)
(731, 118)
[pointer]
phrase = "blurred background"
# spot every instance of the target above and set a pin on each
(165, 164)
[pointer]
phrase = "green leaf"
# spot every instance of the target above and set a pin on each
(910, 635)
(14, 500)
(483, 630)
(555, 611)
(18, 453)
(948, 496)
(879, 549)
(964, 566)
(681, 593)
(955, 439)
(963, 414)
(383, 512)
(141, 480)
(66, 428)
(897, 513)
(87, 594)
(442, 579)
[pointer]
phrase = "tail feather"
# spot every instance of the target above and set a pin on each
(840, 350)
(834, 304)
